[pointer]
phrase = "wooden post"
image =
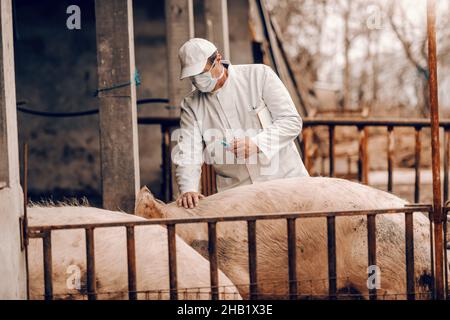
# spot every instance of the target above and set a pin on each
(12, 258)
(216, 18)
(117, 97)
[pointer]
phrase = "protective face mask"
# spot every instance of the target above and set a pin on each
(205, 82)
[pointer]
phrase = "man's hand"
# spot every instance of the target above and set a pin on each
(189, 200)
(243, 147)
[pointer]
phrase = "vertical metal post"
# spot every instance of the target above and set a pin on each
(372, 248)
(292, 258)
(90, 265)
(305, 142)
(166, 164)
(171, 238)
(390, 156)
(331, 149)
(418, 147)
(409, 251)
(251, 232)
(435, 152)
(332, 278)
(48, 270)
(213, 263)
(131, 259)
(362, 158)
(446, 161)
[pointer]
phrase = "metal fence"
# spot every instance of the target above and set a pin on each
(208, 176)
(390, 125)
(45, 233)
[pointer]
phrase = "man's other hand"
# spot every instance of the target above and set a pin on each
(189, 200)
(243, 147)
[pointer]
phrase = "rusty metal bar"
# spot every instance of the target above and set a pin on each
(305, 141)
(373, 122)
(435, 150)
(292, 258)
(446, 161)
(90, 265)
(322, 121)
(418, 148)
(131, 259)
(390, 156)
(409, 252)
(331, 144)
(48, 269)
(213, 263)
(447, 264)
(332, 273)
(251, 232)
(166, 163)
(231, 218)
(372, 249)
(171, 238)
(362, 155)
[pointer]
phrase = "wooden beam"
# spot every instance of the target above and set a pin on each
(117, 96)
(216, 19)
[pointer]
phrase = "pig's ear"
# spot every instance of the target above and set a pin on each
(147, 206)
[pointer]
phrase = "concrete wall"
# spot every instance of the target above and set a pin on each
(12, 259)
(56, 71)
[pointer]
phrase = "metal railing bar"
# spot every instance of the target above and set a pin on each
(90, 264)
(213, 263)
(253, 279)
(232, 218)
(131, 263)
(292, 258)
(48, 270)
(171, 241)
(409, 253)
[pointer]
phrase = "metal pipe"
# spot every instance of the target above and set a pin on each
(213, 263)
(251, 232)
(409, 255)
(332, 274)
(171, 239)
(372, 249)
(446, 161)
(48, 270)
(292, 258)
(331, 149)
(435, 151)
(131, 259)
(418, 147)
(90, 265)
(390, 156)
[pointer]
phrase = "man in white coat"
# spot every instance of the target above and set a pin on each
(240, 118)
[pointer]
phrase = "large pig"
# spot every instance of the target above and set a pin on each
(68, 251)
(306, 194)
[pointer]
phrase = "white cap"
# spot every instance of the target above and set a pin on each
(193, 56)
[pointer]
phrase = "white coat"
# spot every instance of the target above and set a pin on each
(209, 118)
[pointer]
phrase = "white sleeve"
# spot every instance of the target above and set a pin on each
(286, 122)
(188, 153)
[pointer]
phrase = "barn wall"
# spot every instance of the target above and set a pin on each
(12, 259)
(56, 71)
